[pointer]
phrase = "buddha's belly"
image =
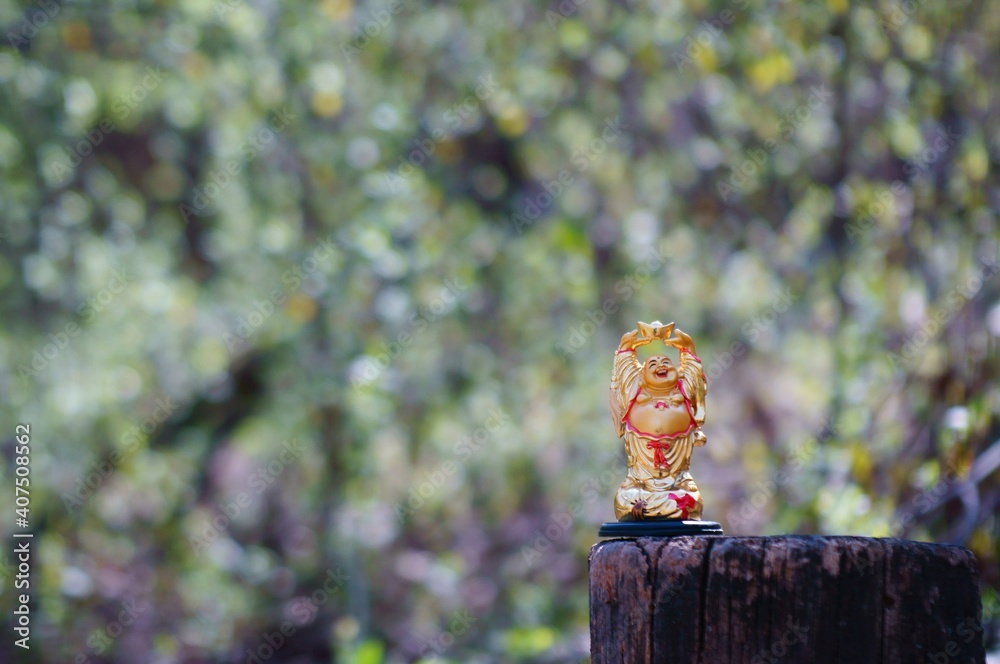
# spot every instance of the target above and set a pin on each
(663, 421)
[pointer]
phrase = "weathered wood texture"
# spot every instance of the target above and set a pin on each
(761, 600)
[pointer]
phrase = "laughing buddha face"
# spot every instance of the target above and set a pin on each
(659, 373)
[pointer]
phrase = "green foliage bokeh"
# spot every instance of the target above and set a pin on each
(312, 291)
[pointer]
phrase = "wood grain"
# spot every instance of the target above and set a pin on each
(762, 600)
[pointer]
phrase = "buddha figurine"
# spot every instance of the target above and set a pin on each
(659, 409)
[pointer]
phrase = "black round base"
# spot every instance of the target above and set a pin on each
(661, 528)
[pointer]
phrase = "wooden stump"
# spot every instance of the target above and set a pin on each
(783, 599)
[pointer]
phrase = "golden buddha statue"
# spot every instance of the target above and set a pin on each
(659, 410)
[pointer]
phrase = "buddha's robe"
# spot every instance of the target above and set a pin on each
(658, 464)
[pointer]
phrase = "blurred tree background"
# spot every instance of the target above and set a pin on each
(311, 307)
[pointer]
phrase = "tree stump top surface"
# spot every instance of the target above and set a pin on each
(783, 599)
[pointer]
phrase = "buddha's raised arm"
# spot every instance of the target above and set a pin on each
(695, 384)
(624, 377)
